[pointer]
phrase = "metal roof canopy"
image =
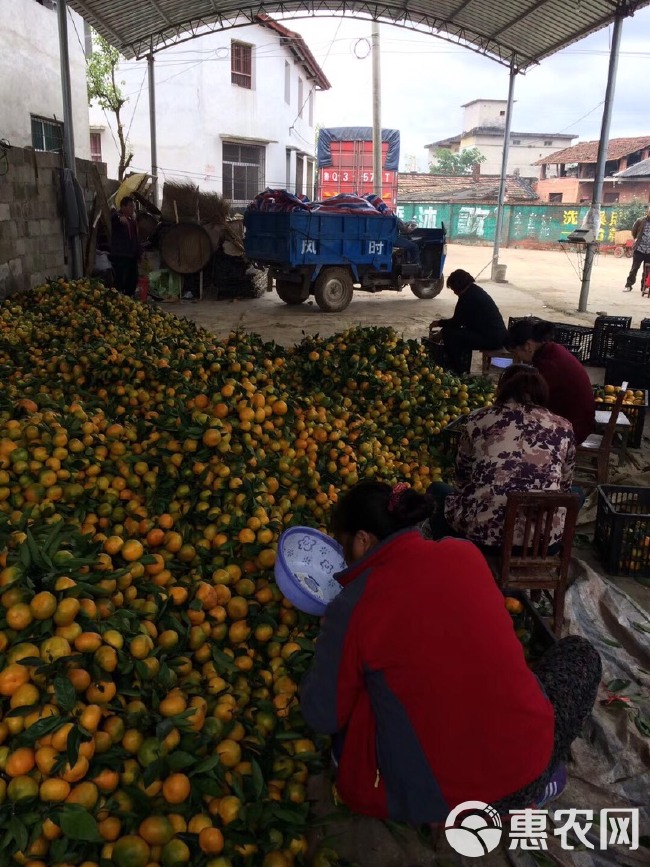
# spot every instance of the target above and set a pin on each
(516, 33)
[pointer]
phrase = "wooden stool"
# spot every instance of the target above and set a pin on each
(488, 354)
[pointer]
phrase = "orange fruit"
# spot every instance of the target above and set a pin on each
(176, 788)
(176, 852)
(514, 606)
(211, 841)
(54, 789)
(21, 788)
(229, 753)
(229, 808)
(132, 550)
(156, 830)
(12, 677)
(85, 794)
(20, 762)
(19, 616)
(43, 605)
(131, 851)
(110, 828)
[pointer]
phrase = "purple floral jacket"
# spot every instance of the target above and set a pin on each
(504, 448)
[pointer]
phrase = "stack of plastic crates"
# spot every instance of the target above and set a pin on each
(605, 329)
(622, 536)
(630, 361)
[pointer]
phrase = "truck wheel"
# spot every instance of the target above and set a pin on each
(334, 289)
(290, 293)
(619, 252)
(428, 289)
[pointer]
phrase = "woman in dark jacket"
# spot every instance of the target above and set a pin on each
(476, 323)
(570, 393)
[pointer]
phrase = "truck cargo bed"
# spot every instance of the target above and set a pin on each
(315, 238)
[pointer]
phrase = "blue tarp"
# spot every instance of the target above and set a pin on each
(357, 133)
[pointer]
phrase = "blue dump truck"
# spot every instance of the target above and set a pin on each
(329, 255)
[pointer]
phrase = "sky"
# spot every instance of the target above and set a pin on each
(425, 80)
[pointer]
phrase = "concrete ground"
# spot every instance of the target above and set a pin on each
(540, 282)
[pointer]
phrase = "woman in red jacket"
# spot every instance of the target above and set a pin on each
(570, 393)
(419, 673)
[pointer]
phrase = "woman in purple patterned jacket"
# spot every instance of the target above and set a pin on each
(515, 445)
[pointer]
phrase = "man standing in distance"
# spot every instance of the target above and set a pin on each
(125, 247)
(641, 248)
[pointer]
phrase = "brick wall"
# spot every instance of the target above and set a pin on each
(32, 242)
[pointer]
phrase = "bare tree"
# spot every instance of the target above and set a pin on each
(104, 89)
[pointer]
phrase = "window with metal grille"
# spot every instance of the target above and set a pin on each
(555, 197)
(96, 147)
(243, 171)
(241, 64)
(47, 135)
(548, 143)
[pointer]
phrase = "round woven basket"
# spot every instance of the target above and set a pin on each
(147, 225)
(186, 248)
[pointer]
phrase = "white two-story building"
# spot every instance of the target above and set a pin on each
(235, 112)
(31, 113)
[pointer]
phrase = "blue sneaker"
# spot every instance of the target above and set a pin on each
(555, 786)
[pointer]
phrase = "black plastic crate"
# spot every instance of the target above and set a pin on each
(632, 345)
(605, 329)
(452, 433)
(439, 356)
(535, 635)
(513, 319)
(577, 339)
(622, 536)
(645, 325)
(634, 412)
(637, 376)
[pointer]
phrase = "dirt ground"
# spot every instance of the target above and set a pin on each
(540, 282)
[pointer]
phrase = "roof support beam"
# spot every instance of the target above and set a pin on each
(160, 12)
(504, 172)
(74, 241)
(597, 193)
(91, 17)
(518, 18)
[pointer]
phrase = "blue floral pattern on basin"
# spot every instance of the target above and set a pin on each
(305, 567)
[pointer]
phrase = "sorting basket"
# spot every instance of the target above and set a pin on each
(541, 636)
(636, 375)
(632, 346)
(439, 356)
(634, 413)
(577, 339)
(622, 536)
(605, 329)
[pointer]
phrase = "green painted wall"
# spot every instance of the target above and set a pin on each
(541, 223)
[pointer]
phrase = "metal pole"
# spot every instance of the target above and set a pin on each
(504, 172)
(76, 267)
(601, 160)
(152, 128)
(377, 167)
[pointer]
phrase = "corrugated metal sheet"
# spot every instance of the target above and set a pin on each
(519, 32)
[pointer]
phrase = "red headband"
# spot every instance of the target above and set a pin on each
(395, 495)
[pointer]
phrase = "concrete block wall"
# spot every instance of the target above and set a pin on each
(33, 246)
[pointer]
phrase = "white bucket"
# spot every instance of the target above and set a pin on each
(500, 273)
